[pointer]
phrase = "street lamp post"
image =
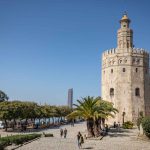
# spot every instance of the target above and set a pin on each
(123, 115)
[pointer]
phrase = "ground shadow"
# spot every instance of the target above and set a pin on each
(118, 135)
(121, 130)
(88, 148)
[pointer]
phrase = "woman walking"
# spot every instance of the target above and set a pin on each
(61, 133)
(81, 141)
(78, 139)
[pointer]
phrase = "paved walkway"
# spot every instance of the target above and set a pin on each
(124, 140)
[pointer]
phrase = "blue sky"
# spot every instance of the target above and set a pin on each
(49, 46)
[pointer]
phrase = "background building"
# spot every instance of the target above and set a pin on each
(70, 98)
(125, 76)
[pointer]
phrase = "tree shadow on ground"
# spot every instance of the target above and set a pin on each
(88, 148)
(114, 130)
(118, 135)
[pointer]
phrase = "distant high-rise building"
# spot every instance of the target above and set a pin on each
(70, 98)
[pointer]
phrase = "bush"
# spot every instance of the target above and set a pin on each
(17, 139)
(48, 135)
(3, 144)
(146, 126)
(127, 125)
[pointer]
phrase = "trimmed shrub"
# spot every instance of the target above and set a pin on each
(17, 139)
(146, 126)
(48, 135)
(3, 144)
(127, 125)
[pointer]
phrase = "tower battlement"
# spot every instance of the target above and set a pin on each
(139, 51)
(109, 52)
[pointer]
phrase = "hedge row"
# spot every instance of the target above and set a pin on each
(16, 139)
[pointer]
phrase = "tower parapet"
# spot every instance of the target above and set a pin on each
(140, 51)
(109, 52)
(112, 51)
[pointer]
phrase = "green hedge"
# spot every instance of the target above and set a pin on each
(146, 126)
(17, 139)
(127, 125)
(3, 144)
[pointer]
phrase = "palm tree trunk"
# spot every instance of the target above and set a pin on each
(99, 123)
(90, 127)
(103, 123)
(96, 128)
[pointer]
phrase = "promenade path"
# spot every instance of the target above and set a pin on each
(124, 140)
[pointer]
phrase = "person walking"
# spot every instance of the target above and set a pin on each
(65, 133)
(78, 139)
(61, 133)
(114, 124)
(81, 141)
(106, 128)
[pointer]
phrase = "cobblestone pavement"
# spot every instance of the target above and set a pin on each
(124, 140)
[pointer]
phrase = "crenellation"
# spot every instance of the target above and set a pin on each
(138, 51)
(109, 52)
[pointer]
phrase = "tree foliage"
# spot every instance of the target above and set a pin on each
(19, 110)
(3, 96)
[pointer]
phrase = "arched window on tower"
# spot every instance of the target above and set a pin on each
(123, 69)
(111, 70)
(137, 92)
(136, 69)
(127, 45)
(111, 91)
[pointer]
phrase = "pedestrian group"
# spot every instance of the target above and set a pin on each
(80, 139)
(63, 133)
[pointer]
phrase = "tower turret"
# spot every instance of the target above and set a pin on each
(125, 35)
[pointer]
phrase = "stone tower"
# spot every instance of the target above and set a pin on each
(125, 76)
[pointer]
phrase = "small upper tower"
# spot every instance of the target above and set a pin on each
(125, 35)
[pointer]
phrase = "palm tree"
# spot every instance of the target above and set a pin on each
(94, 111)
(105, 110)
(86, 109)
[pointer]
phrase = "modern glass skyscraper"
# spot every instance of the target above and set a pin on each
(70, 98)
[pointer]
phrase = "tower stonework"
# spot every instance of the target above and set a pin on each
(125, 76)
